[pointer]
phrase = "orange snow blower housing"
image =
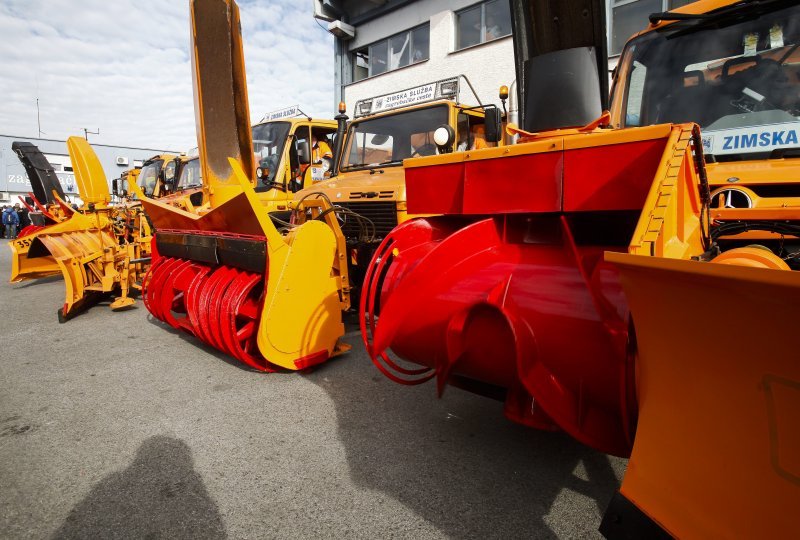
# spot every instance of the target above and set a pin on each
(225, 273)
(538, 318)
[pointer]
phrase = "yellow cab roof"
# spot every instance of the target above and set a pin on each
(294, 120)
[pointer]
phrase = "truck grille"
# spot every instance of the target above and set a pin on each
(383, 214)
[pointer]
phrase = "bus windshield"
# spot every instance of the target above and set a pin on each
(269, 138)
(388, 140)
(738, 79)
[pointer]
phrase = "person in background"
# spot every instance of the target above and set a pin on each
(320, 149)
(470, 139)
(11, 221)
(2, 224)
(492, 28)
(22, 214)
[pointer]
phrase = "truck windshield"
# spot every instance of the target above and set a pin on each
(738, 79)
(389, 139)
(269, 138)
(190, 175)
(148, 177)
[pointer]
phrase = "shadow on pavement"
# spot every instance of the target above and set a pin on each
(459, 464)
(159, 495)
(30, 283)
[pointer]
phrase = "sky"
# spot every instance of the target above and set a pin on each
(123, 67)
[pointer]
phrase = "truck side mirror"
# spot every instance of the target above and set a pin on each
(303, 153)
(115, 186)
(492, 127)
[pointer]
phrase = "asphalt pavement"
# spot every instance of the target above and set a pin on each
(114, 426)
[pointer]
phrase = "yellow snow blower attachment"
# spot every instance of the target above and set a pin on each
(714, 294)
(100, 249)
(226, 274)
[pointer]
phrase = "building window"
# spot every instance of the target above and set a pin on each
(483, 22)
(629, 17)
(397, 51)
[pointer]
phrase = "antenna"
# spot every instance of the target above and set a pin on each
(86, 133)
(38, 119)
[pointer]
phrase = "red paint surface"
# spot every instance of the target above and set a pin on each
(599, 178)
(613, 177)
(545, 318)
(220, 306)
(529, 183)
(310, 360)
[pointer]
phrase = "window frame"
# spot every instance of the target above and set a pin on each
(365, 52)
(457, 34)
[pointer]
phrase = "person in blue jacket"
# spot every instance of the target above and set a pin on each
(11, 222)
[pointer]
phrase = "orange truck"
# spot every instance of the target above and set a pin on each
(711, 277)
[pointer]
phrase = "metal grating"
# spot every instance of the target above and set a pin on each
(382, 213)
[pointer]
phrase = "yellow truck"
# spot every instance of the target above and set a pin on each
(157, 174)
(283, 145)
(369, 179)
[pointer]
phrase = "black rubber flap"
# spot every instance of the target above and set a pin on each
(40, 173)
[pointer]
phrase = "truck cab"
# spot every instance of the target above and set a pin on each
(284, 156)
(157, 173)
(172, 179)
(733, 69)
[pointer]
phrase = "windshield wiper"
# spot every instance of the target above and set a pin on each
(656, 18)
(765, 5)
(391, 162)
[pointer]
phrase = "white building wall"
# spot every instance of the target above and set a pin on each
(487, 66)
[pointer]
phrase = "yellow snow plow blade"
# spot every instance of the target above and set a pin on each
(99, 250)
(717, 449)
(23, 267)
(77, 246)
(46, 206)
